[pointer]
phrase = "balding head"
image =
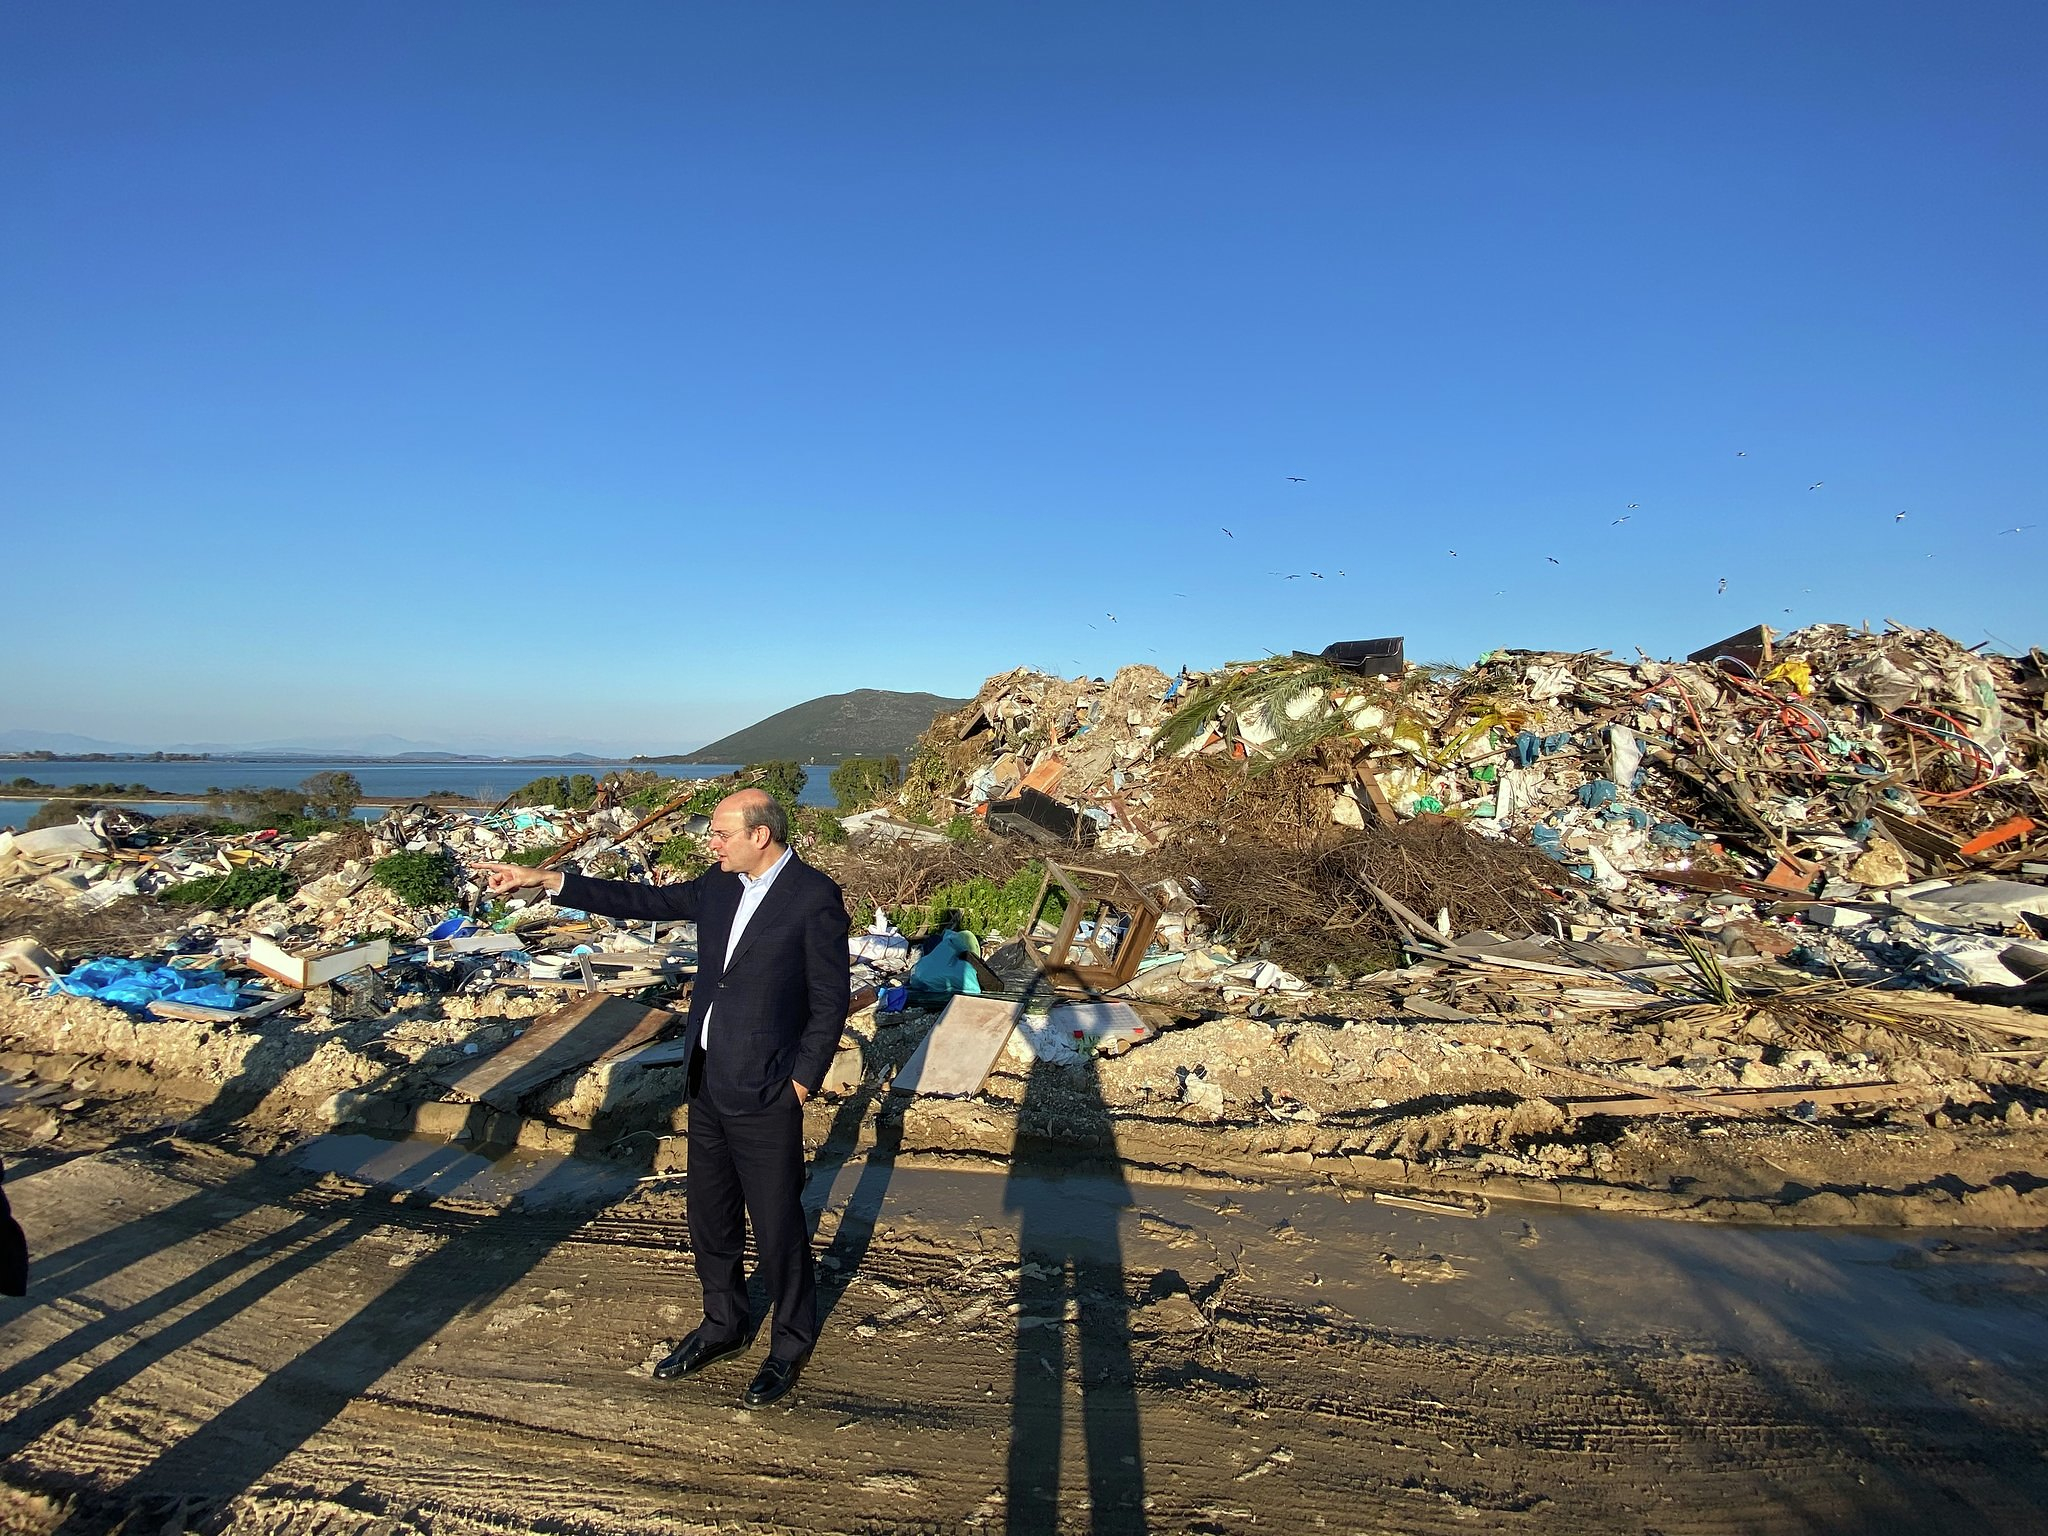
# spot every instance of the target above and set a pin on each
(737, 827)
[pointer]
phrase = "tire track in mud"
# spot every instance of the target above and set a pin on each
(530, 1409)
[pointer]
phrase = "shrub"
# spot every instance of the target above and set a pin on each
(963, 829)
(233, 892)
(60, 813)
(684, 853)
(818, 825)
(981, 906)
(331, 796)
(423, 879)
(859, 782)
(533, 858)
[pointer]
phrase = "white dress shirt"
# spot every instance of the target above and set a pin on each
(753, 891)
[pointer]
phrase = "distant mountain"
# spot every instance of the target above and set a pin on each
(869, 722)
(60, 742)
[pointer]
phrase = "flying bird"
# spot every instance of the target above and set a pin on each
(1454, 554)
(2023, 527)
(1299, 479)
(1635, 506)
(1898, 517)
(1111, 617)
(1228, 534)
(1317, 574)
(1553, 560)
(1740, 454)
(1619, 521)
(1723, 587)
(1816, 485)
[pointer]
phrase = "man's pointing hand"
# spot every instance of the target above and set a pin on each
(506, 879)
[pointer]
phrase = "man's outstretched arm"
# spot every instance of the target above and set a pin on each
(607, 898)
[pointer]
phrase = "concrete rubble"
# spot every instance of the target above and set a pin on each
(1553, 921)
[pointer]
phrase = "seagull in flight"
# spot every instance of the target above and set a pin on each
(1619, 521)
(1816, 485)
(1317, 574)
(1898, 517)
(1741, 454)
(1299, 479)
(1635, 506)
(1723, 587)
(1111, 617)
(1454, 554)
(1553, 560)
(2023, 527)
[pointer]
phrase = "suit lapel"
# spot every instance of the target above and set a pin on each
(780, 894)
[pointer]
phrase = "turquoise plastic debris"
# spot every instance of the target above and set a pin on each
(135, 984)
(1674, 834)
(945, 971)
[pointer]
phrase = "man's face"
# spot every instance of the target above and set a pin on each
(739, 847)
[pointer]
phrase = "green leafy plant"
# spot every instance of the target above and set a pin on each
(963, 829)
(232, 892)
(981, 905)
(859, 782)
(819, 825)
(423, 879)
(532, 858)
(683, 852)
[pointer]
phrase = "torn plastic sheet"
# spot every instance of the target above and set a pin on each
(138, 983)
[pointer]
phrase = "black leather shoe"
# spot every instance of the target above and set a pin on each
(774, 1380)
(696, 1352)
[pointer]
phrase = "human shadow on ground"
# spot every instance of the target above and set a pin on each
(1068, 1188)
(229, 1453)
(842, 1258)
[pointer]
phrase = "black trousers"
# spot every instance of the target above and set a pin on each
(750, 1169)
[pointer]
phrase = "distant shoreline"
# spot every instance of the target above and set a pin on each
(180, 797)
(418, 760)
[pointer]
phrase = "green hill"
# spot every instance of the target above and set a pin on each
(869, 722)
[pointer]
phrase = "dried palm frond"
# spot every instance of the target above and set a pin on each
(1272, 685)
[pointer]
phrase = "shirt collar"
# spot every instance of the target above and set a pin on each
(767, 876)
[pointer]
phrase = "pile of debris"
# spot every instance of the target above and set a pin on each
(1832, 766)
(1787, 874)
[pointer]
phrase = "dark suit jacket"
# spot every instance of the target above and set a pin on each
(780, 1002)
(13, 1249)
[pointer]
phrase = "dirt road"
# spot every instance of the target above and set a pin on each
(355, 1336)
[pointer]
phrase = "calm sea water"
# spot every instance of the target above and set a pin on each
(489, 782)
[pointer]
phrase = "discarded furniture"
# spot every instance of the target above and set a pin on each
(953, 1060)
(1385, 657)
(1118, 918)
(1035, 815)
(303, 971)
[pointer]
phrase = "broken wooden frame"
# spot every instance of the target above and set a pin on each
(1100, 897)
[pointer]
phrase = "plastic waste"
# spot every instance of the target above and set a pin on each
(138, 983)
(945, 971)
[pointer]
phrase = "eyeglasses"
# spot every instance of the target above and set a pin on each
(720, 835)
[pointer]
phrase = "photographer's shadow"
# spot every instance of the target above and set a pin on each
(1068, 1187)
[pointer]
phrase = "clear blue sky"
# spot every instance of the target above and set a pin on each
(616, 373)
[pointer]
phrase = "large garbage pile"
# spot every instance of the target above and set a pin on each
(1836, 768)
(120, 884)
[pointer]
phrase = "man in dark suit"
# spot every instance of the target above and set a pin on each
(765, 1018)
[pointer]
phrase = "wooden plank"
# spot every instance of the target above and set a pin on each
(1718, 1101)
(573, 1036)
(955, 1057)
(203, 1015)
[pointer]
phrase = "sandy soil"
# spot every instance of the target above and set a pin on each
(343, 1335)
